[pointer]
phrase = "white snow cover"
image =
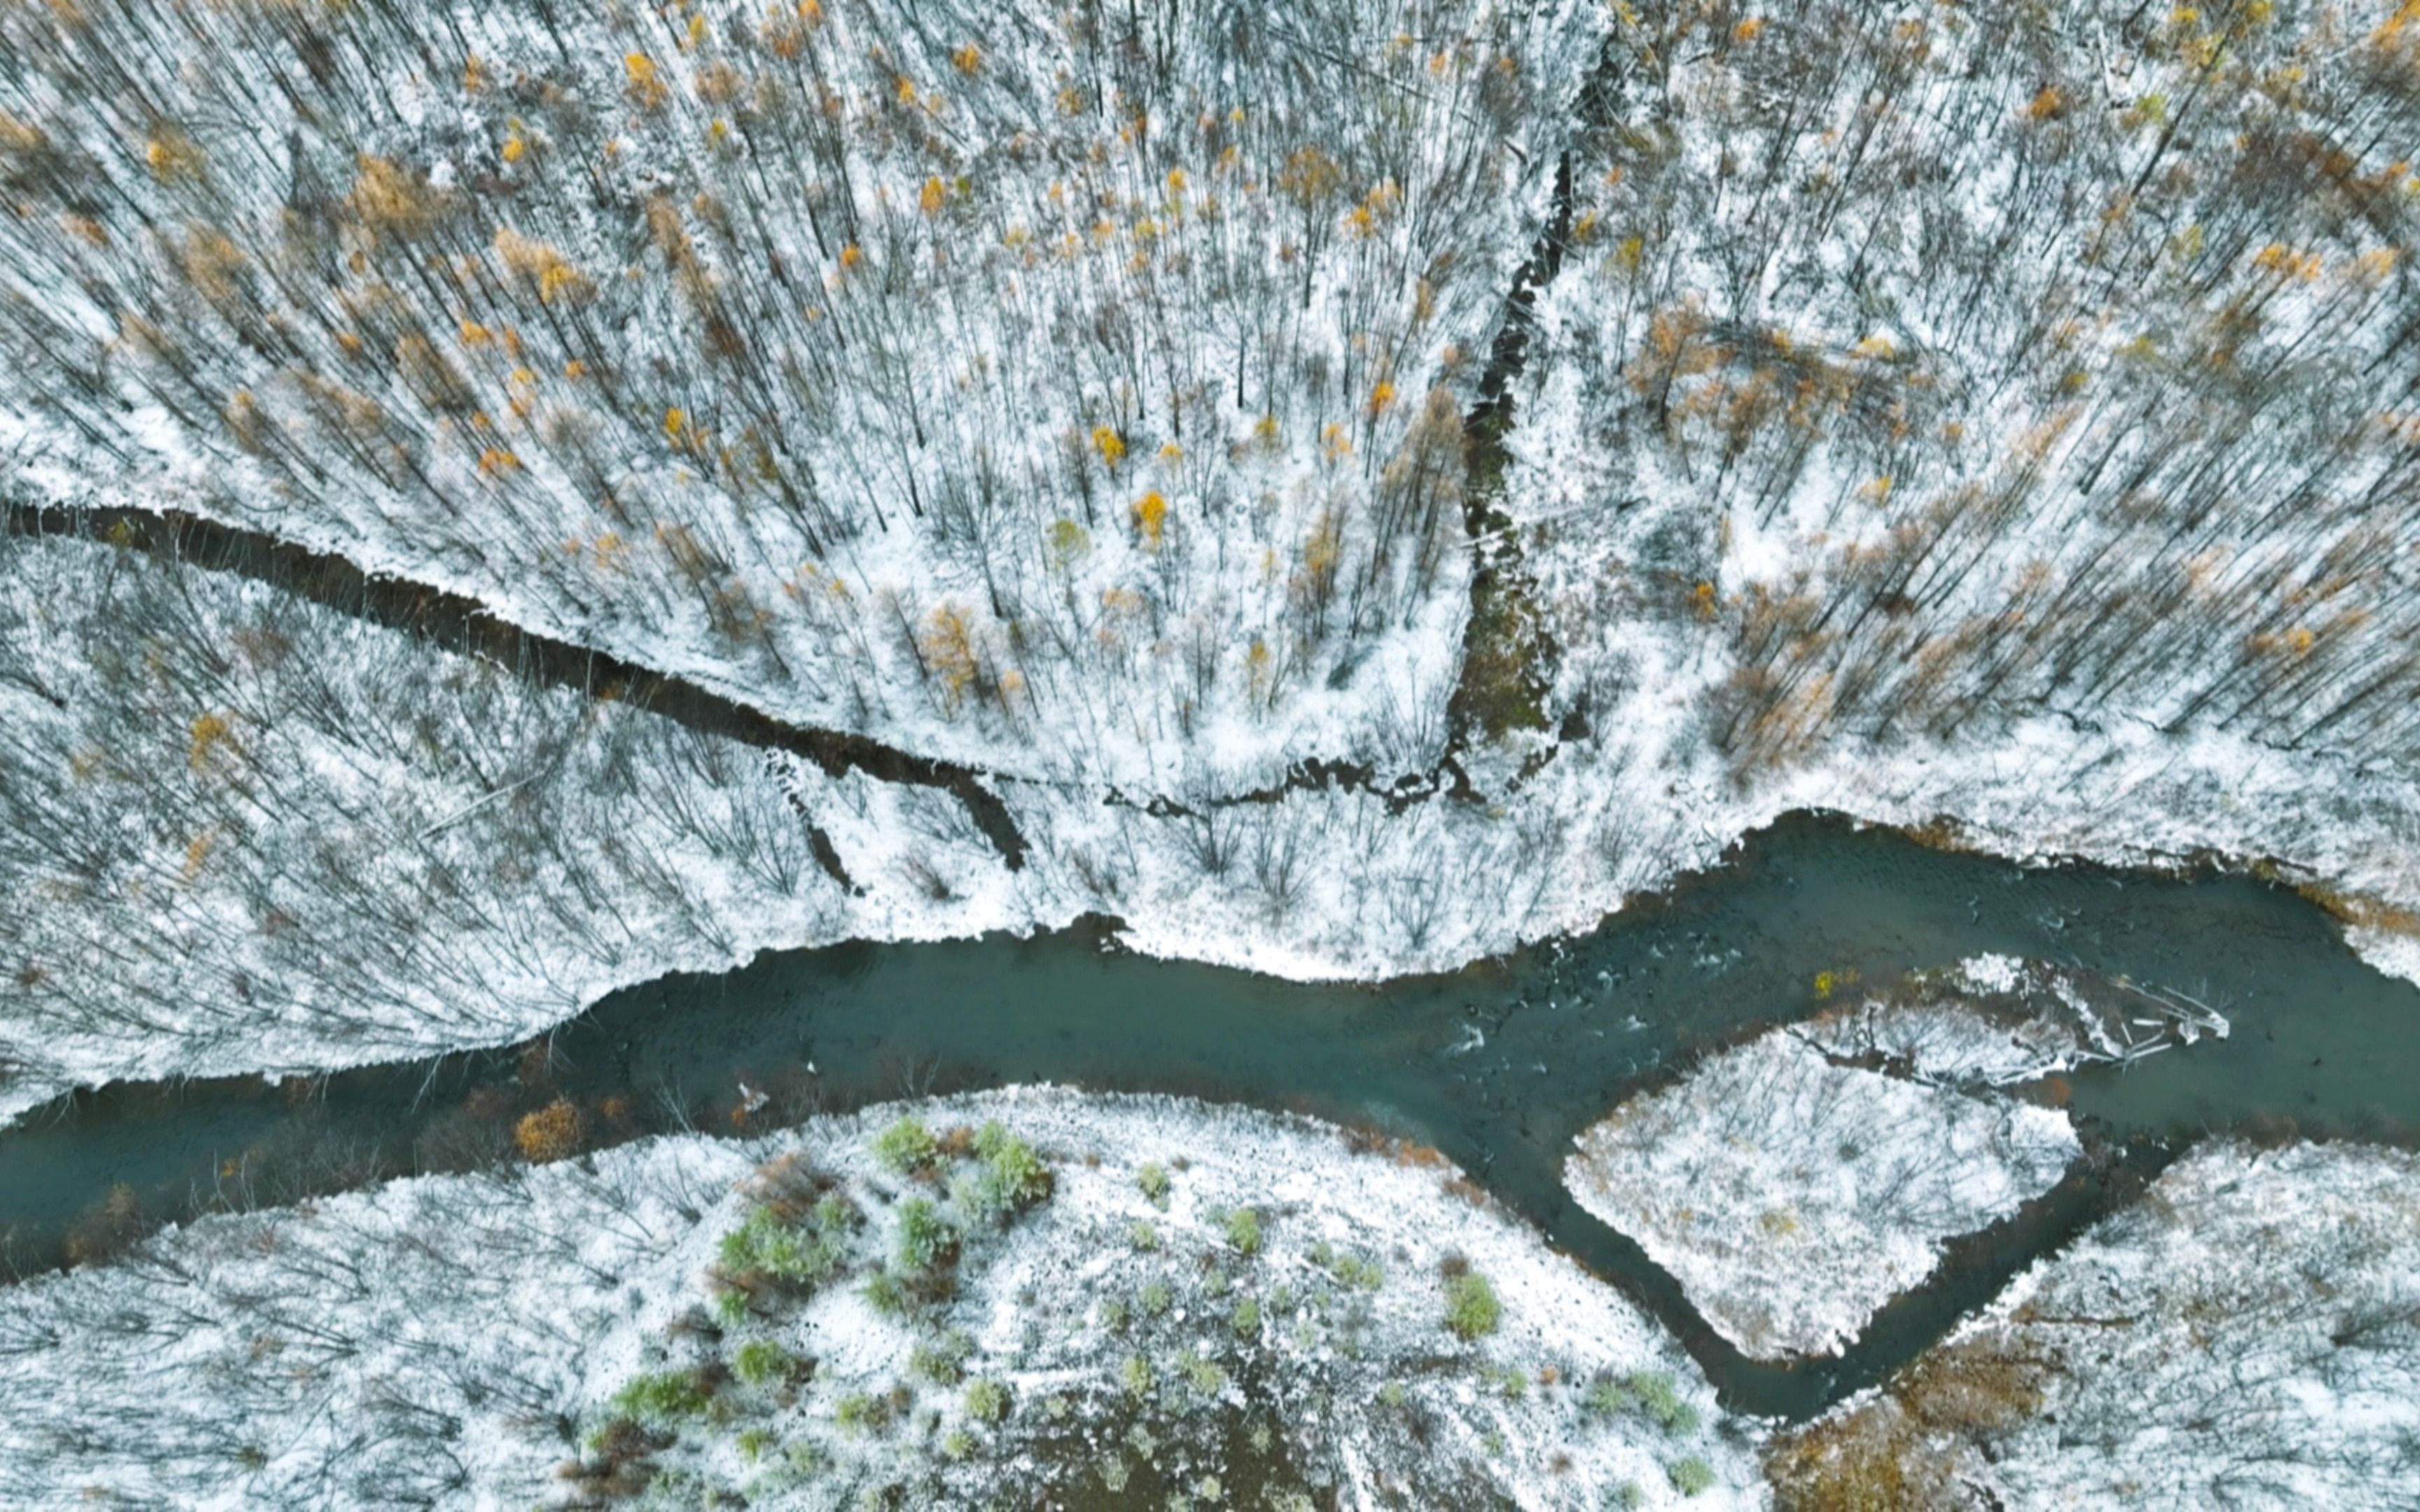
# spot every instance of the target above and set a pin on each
(1792, 1196)
(1613, 519)
(445, 1337)
(2244, 1337)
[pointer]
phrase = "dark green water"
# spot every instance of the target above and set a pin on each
(1498, 1065)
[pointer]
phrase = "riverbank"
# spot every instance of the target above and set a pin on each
(1159, 1296)
(2244, 1334)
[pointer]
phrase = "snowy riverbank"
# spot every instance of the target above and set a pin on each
(1100, 1293)
(2242, 1336)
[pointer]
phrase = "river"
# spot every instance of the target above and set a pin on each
(1497, 1065)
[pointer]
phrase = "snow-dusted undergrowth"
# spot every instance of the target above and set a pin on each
(1792, 1196)
(540, 1334)
(2247, 1335)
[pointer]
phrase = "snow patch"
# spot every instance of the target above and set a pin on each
(1793, 1196)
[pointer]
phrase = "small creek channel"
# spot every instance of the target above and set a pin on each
(1497, 1065)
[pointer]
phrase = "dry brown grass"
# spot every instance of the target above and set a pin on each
(552, 1132)
(789, 1185)
(1976, 1387)
(1901, 1449)
(107, 1228)
(1467, 1190)
(1858, 1462)
(2357, 910)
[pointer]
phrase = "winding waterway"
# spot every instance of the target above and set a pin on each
(1497, 1065)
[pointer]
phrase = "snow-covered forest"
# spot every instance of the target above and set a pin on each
(1998, 421)
(1080, 392)
(1792, 1195)
(1570, 434)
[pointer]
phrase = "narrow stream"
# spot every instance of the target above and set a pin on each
(1497, 1065)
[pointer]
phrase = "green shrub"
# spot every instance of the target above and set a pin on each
(759, 1362)
(1157, 1298)
(987, 1400)
(1515, 1384)
(859, 1413)
(907, 1148)
(926, 1241)
(1144, 1236)
(942, 1362)
(1471, 1310)
(1692, 1476)
(755, 1442)
(1350, 1269)
(765, 1246)
(1135, 1376)
(1653, 1392)
(958, 1444)
(886, 1295)
(1246, 1321)
(662, 1396)
(1014, 1177)
(1203, 1375)
(1153, 1178)
(1392, 1396)
(1244, 1232)
(1649, 1394)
